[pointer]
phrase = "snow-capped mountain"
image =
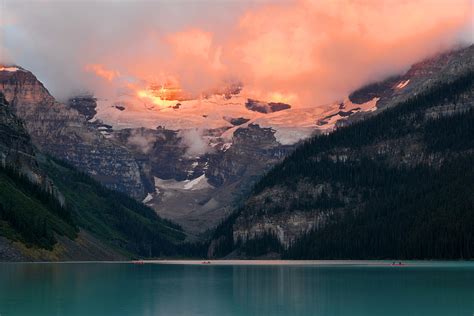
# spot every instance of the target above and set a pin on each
(232, 140)
(218, 111)
(190, 158)
(225, 140)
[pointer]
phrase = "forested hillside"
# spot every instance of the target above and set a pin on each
(34, 217)
(30, 214)
(51, 211)
(113, 216)
(397, 185)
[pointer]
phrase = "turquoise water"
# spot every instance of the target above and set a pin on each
(151, 289)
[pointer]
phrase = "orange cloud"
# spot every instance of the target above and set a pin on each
(307, 52)
(322, 49)
(102, 72)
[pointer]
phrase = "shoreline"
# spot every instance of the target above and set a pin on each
(333, 263)
(394, 263)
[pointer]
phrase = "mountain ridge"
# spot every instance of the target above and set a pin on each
(62, 132)
(292, 206)
(198, 186)
(50, 211)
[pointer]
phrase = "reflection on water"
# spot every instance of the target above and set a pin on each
(126, 289)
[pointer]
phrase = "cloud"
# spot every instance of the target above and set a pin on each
(101, 71)
(322, 49)
(141, 140)
(194, 142)
(306, 52)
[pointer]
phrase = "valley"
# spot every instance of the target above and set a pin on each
(205, 163)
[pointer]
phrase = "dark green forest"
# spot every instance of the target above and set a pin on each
(113, 216)
(33, 216)
(418, 213)
(30, 214)
(405, 119)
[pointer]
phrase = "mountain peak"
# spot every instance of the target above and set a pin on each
(12, 68)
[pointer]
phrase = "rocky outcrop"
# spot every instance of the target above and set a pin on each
(266, 107)
(15, 144)
(253, 151)
(63, 132)
(236, 121)
(286, 227)
(85, 105)
(224, 171)
(17, 151)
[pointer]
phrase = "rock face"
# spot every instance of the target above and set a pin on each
(237, 120)
(64, 133)
(197, 190)
(266, 107)
(253, 151)
(84, 104)
(291, 204)
(50, 211)
(15, 143)
(142, 161)
(17, 150)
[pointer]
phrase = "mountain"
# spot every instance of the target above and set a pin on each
(149, 164)
(397, 184)
(51, 211)
(226, 141)
(192, 160)
(197, 190)
(223, 140)
(15, 144)
(61, 131)
(171, 158)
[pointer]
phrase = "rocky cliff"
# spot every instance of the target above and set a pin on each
(18, 156)
(18, 152)
(63, 132)
(15, 144)
(154, 164)
(50, 211)
(198, 189)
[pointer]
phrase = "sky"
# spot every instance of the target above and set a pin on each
(303, 52)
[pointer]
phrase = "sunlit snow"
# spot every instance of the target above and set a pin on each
(402, 84)
(290, 125)
(9, 69)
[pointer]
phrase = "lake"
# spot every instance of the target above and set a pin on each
(268, 288)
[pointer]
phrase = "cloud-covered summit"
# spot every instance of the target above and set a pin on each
(301, 52)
